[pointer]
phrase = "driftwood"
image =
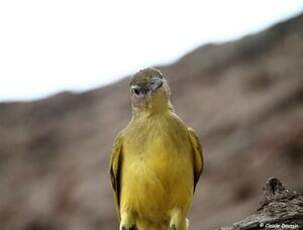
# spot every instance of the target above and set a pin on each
(280, 209)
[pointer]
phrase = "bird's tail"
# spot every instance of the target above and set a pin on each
(143, 225)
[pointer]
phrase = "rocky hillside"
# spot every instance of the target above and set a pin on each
(244, 98)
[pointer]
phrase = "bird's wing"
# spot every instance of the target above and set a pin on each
(198, 156)
(115, 170)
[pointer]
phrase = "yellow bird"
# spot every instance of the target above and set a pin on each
(156, 160)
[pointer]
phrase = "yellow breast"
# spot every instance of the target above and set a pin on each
(157, 170)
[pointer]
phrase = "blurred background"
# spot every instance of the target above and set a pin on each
(236, 73)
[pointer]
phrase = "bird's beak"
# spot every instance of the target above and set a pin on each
(157, 83)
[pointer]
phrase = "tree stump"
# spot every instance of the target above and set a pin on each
(280, 209)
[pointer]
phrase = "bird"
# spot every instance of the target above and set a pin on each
(156, 160)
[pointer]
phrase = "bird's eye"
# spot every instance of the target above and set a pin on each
(136, 91)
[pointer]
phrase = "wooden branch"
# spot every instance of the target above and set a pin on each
(280, 209)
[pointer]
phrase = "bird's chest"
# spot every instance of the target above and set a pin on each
(157, 164)
(157, 146)
(156, 138)
(157, 157)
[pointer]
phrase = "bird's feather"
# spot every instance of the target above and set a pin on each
(115, 170)
(198, 156)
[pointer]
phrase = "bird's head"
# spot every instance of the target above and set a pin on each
(149, 91)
